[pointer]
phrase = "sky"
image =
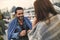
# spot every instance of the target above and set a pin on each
(8, 4)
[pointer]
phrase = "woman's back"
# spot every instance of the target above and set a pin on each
(44, 31)
(51, 31)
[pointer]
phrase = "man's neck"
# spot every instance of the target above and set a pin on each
(20, 22)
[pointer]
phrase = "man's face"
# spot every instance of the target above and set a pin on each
(20, 14)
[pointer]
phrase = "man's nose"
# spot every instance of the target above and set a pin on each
(21, 15)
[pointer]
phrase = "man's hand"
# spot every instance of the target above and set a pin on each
(23, 33)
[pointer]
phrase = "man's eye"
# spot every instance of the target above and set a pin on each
(20, 13)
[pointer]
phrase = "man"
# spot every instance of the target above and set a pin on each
(19, 26)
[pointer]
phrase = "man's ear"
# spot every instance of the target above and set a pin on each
(14, 15)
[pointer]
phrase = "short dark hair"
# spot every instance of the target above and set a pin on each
(18, 8)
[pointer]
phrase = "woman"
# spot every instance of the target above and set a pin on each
(46, 23)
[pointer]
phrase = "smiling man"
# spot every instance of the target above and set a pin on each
(20, 26)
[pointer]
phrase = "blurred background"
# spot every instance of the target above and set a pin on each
(7, 8)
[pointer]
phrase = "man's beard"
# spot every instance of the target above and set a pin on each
(21, 17)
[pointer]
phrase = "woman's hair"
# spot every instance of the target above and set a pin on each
(42, 9)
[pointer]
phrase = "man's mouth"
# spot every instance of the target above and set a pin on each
(21, 17)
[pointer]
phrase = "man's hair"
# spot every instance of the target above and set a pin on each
(18, 8)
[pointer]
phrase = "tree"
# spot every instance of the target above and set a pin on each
(13, 9)
(0, 12)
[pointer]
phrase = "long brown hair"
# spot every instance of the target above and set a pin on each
(42, 10)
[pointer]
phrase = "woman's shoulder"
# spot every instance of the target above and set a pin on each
(39, 25)
(58, 16)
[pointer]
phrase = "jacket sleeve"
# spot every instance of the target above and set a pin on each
(15, 35)
(28, 22)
